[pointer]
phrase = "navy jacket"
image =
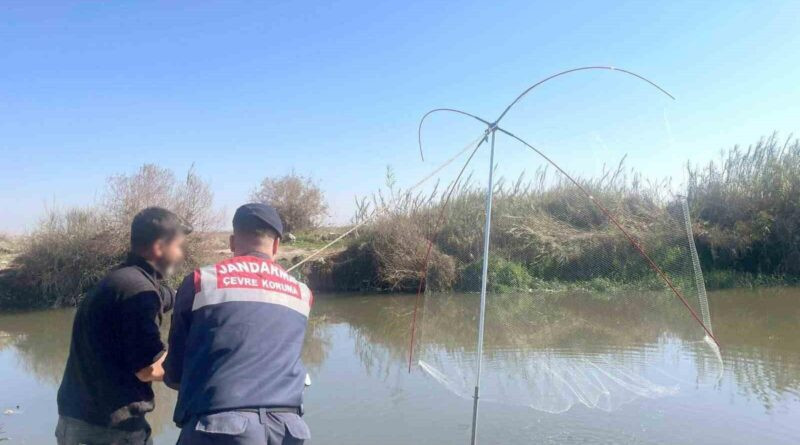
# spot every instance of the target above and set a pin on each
(236, 337)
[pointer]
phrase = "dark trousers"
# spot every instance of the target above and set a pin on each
(70, 431)
(245, 428)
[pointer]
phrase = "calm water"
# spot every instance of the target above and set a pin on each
(362, 393)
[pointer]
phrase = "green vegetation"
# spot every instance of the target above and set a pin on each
(747, 209)
(547, 235)
(503, 276)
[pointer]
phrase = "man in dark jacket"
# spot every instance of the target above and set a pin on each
(116, 349)
(235, 342)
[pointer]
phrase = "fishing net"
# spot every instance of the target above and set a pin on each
(594, 293)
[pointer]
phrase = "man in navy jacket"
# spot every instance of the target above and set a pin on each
(235, 341)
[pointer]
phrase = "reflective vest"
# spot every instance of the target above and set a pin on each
(248, 322)
(250, 279)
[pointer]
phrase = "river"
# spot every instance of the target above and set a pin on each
(362, 393)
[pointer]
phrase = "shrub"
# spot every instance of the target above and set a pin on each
(191, 199)
(298, 200)
(66, 255)
(72, 249)
(390, 255)
(747, 209)
(503, 276)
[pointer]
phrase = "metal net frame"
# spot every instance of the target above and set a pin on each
(560, 230)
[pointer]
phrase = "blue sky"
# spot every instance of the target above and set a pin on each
(335, 89)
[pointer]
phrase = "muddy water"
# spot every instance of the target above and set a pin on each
(362, 393)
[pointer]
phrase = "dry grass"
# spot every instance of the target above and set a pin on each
(747, 207)
(71, 249)
(542, 223)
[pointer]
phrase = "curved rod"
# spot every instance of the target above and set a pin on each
(616, 223)
(453, 110)
(583, 68)
(494, 127)
(524, 93)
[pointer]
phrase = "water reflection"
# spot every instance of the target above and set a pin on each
(762, 345)
(357, 346)
(547, 352)
(40, 343)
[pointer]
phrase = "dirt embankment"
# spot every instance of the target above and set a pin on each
(14, 292)
(292, 250)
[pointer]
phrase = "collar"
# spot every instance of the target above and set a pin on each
(138, 261)
(257, 254)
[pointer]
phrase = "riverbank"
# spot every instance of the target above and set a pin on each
(17, 291)
(549, 232)
(355, 265)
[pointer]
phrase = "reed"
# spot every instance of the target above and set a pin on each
(548, 235)
(747, 207)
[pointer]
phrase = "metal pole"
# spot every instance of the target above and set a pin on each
(481, 318)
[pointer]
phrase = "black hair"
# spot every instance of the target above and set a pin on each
(153, 224)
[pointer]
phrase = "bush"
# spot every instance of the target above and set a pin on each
(747, 209)
(191, 199)
(71, 250)
(390, 255)
(298, 200)
(503, 276)
(66, 255)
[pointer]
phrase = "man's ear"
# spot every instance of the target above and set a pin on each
(275, 244)
(157, 249)
(231, 243)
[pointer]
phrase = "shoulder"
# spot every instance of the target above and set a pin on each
(127, 281)
(191, 281)
(305, 292)
(189, 287)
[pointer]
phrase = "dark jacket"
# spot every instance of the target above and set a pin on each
(236, 336)
(115, 334)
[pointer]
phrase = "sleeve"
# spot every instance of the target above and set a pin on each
(140, 335)
(178, 332)
(167, 298)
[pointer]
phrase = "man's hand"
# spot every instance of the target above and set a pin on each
(154, 372)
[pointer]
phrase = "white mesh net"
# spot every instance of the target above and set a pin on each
(594, 292)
